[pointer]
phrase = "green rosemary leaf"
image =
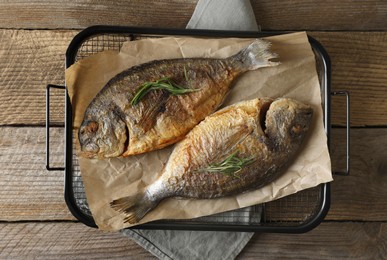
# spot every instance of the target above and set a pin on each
(185, 74)
(229, 166)
(164, 83)
(141, 92)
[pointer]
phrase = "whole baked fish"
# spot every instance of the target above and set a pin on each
(152, 105)
(239, 148)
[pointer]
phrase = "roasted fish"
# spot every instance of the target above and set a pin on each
(239, 148)
(152, 105)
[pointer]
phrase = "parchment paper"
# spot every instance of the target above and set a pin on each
(296, 77)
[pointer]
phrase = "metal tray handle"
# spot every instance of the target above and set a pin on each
(345, 93)
(48, 167)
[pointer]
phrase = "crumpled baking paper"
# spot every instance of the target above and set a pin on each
(296, 77)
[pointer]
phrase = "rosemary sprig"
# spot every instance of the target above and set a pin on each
(185, 74)
(165, 83)
(229, 166)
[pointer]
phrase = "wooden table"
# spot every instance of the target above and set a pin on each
(34, 35)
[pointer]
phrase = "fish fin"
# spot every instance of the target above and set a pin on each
(134, 207)
(254, 56)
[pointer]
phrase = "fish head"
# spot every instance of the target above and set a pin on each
(102, 135)
(288, 120)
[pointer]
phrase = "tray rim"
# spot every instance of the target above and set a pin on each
(128, 30)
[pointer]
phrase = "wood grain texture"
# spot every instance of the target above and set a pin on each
(65, 241)
(361, 195)
(73, 240)
(29, 192)
(31, 59)
(359, 65)
(271, 15)
(321, 15)
(68, 14)
(328, 241)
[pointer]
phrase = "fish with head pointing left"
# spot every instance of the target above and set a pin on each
(153, 105)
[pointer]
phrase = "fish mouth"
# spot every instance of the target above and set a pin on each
(89, 150)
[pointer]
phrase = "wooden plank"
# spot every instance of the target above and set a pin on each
(65, 241)
(31, 59)
(29, 192)
(73, 240)
(361, 195)
(271, 15)
(327, 241)
(320, 15)
(81, 14)
(359, 65)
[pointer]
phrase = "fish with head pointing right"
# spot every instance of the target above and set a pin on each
(239, 148)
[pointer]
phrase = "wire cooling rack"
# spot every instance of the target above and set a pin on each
(290, 211)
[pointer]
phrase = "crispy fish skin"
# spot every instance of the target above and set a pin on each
(270, 132)
(113, 127)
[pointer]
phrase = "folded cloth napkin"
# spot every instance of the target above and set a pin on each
(235, 15)
(177, 244)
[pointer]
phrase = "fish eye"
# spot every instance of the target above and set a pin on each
(297, 129)
(92, 126)
(93, 148)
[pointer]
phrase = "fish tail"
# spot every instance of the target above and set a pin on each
(254, 56)
(134, 207)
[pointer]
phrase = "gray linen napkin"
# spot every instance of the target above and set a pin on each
(176, 244)
(223, 15)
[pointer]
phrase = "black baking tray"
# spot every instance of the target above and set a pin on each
(296, 213)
